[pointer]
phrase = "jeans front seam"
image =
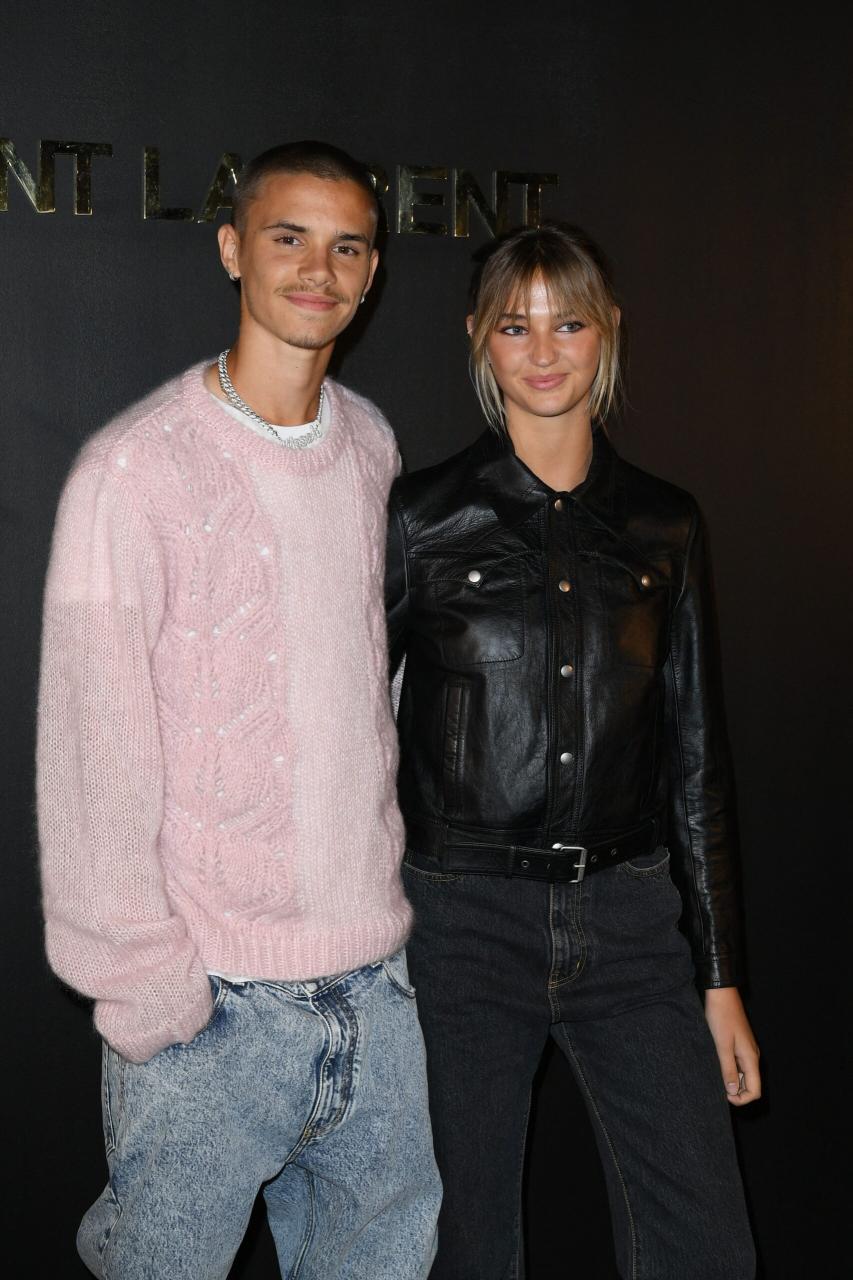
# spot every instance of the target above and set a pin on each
(308, 1131)
(555, 982)
(335, 1089)
(588, 1091)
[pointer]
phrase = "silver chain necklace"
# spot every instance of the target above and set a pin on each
(299, 442)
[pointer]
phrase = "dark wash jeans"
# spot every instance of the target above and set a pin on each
(500, 964)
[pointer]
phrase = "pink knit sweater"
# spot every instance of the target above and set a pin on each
(217, 756)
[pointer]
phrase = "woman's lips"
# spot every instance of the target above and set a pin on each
(545, 383)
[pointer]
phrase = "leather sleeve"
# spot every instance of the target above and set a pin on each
(396, 586)
(702, 819)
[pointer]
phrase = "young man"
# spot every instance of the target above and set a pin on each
(219, 831)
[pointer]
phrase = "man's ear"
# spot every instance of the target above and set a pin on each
(371, 272)
(229, 246)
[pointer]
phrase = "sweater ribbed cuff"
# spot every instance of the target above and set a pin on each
(130, 1032)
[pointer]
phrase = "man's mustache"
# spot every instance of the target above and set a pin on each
(322, 293)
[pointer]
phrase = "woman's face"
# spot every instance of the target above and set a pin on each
(544, 363)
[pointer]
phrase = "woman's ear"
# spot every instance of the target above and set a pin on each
(617, 315)
(469, 324)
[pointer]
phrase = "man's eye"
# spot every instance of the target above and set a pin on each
(286, 239)
(348, 250)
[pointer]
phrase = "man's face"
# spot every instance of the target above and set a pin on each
(304, 257)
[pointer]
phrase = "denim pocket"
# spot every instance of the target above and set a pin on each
(397, 973)
(219, 989)
(648, 865)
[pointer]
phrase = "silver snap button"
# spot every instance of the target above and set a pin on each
(558, 505)
(474, 575)
(566, 670)
(525, 864)
(564, 584)
(646, 580)
(566, 757)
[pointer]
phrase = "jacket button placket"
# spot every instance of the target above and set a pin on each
(563, 660)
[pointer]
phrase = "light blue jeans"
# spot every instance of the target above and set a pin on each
(313, 1091)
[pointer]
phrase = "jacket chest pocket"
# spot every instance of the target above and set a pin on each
(470, 610)
(635, 599)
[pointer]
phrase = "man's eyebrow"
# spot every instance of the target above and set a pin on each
(284, 225)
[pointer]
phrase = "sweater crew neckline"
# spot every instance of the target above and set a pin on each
(234, 440)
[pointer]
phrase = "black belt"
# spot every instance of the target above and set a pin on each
(566, 863)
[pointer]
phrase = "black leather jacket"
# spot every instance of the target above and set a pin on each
(562, 677)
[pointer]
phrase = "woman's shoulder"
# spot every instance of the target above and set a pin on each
(440, 483)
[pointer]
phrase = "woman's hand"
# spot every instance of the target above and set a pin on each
(735, 1044)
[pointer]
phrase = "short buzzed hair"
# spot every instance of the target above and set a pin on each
(318, 158)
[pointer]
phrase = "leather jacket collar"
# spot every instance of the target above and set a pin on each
(498, 469)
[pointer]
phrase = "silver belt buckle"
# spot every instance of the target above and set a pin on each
(580, 865)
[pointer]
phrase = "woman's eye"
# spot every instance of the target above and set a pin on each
(571, 326)
(512, 330)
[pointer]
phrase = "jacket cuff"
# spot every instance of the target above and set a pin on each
(718, 971)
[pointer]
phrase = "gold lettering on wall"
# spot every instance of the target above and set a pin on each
(466, 192)
(408, 197)
(151, 206)
(453, 192)
(41, 192)
(532, 184)
(228, 170)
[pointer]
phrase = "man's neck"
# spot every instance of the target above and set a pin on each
(280, 382)
(556, 451)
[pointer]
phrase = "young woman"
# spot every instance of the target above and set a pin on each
(565, 783)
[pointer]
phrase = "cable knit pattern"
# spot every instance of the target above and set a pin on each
(217, 756)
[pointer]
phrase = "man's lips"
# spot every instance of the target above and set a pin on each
(312, 301)
(546, 382)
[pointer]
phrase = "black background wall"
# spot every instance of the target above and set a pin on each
(707, 147)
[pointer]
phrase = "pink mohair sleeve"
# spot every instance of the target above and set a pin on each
(110, 932)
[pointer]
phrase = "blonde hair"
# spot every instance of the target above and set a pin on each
(578, 284)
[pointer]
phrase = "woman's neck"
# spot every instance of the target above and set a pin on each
(559, 453)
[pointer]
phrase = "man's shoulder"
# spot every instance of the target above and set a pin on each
(127, 438)
(354, 405)
(367, 427)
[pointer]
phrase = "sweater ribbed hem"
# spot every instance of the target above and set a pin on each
(297, 950)
(301, 950)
